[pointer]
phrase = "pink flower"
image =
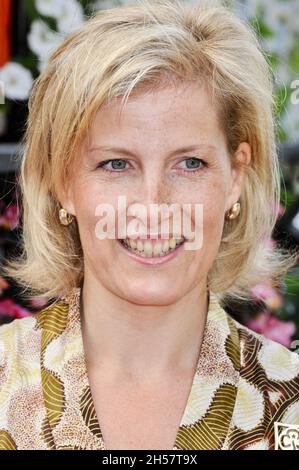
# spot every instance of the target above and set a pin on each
(3, 284)
(270, 243)
(271, 327)
(10, 218)
(278, 210)
(270, 296)
(38, 302)
(8, 307)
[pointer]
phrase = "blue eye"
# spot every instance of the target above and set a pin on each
(117, 164)
(194, 164)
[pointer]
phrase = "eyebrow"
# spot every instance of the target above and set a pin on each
(125, 151)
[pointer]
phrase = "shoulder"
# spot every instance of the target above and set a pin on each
(14, 334)
(270, 370)
(277, 360)
(19, 352)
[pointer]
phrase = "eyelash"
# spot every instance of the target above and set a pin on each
(101, 165)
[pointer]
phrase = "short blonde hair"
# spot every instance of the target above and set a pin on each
(131, 48)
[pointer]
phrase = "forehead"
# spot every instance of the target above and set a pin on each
(184, 107)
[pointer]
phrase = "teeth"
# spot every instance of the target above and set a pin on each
(172, 243)
(157, 249)
(133, 243)
(148, 249)
(139, 245)
(165, 247)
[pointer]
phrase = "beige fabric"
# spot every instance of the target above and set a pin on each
(243, 384)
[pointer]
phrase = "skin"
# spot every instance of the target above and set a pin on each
(144, 322)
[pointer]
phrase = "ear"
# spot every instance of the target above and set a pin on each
(242, 159)
(67, 201)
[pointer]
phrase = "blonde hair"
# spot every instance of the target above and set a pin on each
(131, 48)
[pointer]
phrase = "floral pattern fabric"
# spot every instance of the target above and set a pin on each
(242, 385)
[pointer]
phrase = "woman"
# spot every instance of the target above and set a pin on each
(155, 103)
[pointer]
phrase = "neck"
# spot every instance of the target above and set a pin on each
(136, 340)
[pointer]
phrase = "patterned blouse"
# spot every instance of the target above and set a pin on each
(243, 384)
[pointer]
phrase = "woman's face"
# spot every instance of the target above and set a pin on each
(146, 140)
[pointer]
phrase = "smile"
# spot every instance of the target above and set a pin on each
(152, 251)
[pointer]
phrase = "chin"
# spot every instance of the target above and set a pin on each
(159, 297)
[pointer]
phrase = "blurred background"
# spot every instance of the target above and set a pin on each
(31, 29)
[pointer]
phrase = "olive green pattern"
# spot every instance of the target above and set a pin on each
(242, 385)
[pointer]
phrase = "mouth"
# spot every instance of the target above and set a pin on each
(152, 248)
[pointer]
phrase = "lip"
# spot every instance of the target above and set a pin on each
(153, 260)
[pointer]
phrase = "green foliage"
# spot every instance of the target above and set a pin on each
(294, 55)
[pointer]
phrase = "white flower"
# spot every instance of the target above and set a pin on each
(71, 16)
(17, 81)
(51, 8)
(42, 40)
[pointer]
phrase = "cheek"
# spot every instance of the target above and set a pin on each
(212, 196)
(214, 207)
(87, 198)
(88, 195)
(213, 227)
(213, 201)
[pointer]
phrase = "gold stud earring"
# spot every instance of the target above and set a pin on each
(64, 217)
(233, 212)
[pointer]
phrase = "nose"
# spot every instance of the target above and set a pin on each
(154, 191)
(154, 188)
